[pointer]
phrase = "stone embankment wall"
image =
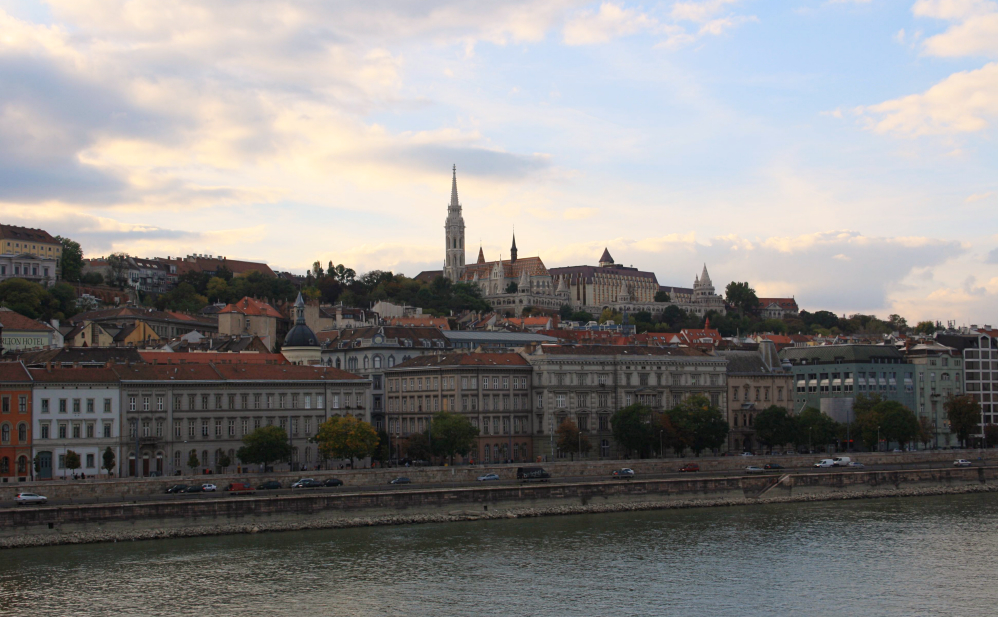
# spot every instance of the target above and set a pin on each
(125, 488)
(225, 515)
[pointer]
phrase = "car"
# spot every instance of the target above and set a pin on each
(856, 465)
(194, 488)
(332, 482)
(747, 454)
(626, 472)
(208, 487)
(528, 474)
(269, 485)
(24, 499)
(489, 477)
(690, 467)
(897, 451)
(825, 462)
(177, 488)
(753, 469)
(790, 453)
(401, 480)
(306, 483)
(236, 488)
(772, 466)
(961, 462)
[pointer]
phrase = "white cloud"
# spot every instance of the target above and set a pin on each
(611, 21)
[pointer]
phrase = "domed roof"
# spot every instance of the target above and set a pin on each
(300, 335)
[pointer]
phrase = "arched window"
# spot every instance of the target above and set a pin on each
(5, 433)
(945, 376)
(352, 364)
(391, 361)
(367, 363)
(488, 454)
(22, 433)
(204, 458)
(377, 361)
(22, 465)
(338, 363)
(4, 465)
(308, 454)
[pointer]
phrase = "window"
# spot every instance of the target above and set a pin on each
(204, 401)
(22, 404)
(131, 403)
(232, 428)
(540, 401)
(5, 433)
(204, 428)
(76, 405)
(62, 405)
(22, 433)
(560, 401)
(218, 428)
(177, 430)
(45, 430)
(90, 430)
(45, 405)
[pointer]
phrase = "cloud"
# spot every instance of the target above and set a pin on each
(611, 21)
(992, 257)
(978, 197)
(975, 32)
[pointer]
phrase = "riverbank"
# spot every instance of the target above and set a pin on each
(129, 522)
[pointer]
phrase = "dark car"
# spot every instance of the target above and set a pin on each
(690, 467)
(626, 472)
(177, 488)
(333, 482)
(307, 483)
(269, 485)
(194, 488)
(401, 480)
(772, 466)
(532, 473)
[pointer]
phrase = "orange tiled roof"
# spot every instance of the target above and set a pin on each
(206, 357)
(425, 320)
(789, 304)
(251, 306)
(16, 321)
(13, 372)
(74, 375)
(533, 265)
(14, 232)
(288, 372)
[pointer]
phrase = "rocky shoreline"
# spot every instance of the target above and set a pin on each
(127, 535)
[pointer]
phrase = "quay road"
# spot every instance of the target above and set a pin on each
(368, 488)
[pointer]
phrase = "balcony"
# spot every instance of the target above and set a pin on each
(148, 441)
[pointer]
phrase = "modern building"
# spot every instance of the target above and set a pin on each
(19, 241)
(491, 389)
(74, 410)
(938, 377)
(756, 381)
(15, 423)
(830, 377)
(250, 316)
(33, 268)
(469, 340)
(588, 383)
(979, 350)
(21, 333)
(370, 351)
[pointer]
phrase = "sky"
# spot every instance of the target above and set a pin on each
(839, 151)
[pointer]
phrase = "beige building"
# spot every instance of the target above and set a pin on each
(250, 316)
(16, 240)
(756, 381)
(588, 383)
(491, 389)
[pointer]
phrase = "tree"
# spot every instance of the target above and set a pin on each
(774, 426)
(417, 447)
(990, 435)
(610, 315)
(662, 296)
(898, 323)
(71, 262)
(117, 269)
(867, 419)
(108, 460)
(632, 428)
(72, 461)
(897, 422)
(317, 270)
(192, 461)
(346, 437)
(582, 316)
(217, 289)
(92, 278)
(964, 415)
(926, 431)
(224, 461)
(383, 452)
(265, 445)
(570, 439)
(926, 327)
(452, 434)
(742, 297)
(343, 275)
(184, 297)
(704, 422)
(512, 287)
(814, 427)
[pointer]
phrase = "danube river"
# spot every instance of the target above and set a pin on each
(905, 556)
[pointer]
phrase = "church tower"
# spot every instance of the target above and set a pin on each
(454, 236)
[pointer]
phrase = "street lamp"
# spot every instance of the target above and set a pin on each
(661, 449)
(810, 448)
(878, 439)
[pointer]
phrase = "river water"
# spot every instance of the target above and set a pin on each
(905, 556)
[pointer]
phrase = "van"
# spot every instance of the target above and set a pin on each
(240, 488)
(825, 462)
(841, 461)
(531, 473)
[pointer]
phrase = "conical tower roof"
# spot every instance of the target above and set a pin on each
(481, 255)
(704, 277)
(453, 190)
(606, 259)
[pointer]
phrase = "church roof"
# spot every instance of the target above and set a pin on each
(532, 265)
(606, 256)
(453, 189)
(589, 273)
(481, 255)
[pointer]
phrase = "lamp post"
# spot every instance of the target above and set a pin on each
(661, 449)
(810, 448)
(878, 439)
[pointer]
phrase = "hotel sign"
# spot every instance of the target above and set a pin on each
(25, 340)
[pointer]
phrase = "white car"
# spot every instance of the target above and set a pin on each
(961, 462)
(747, 454)
(825, 462)
(29, 498)
(754, 469)
(209, 488)
(488, 477)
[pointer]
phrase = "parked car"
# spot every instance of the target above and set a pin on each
(489, 477)
(269, 485)
(772, 466)
(841, 461)
(532, 473)
(208, 487)
(626, 472)
(790, 453)
(401, 480)
(897, 451)
(690, 467)
(332, 482)
(307, 483)
(961, 462)
(194, 488)
(753, 469)
(825, 462)
(747, 454)
(237, 488)
(856, 465)
(177, 488)
(24, 499)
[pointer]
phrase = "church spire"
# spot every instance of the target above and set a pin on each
(481, 255)
(512, 249)
(454, 235)
(454, 203)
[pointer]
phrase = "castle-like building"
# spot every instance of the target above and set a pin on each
(514, 284)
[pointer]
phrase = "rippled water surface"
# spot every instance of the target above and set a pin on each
(916, 556)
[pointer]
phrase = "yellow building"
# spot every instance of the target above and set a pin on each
(16, 240)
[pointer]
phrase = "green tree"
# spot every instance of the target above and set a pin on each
(582, 316)
(512, 287)
(452, 434)
(775, 427)
(570, 439)
(71, 461)
(610, 315)
(742, 297)
(417, 447)
(117, 269)
(224, 461)
(662, 296)
(24, 297)
(343, 275)
(108, 461)
(964, 415)
(898, 423)
(92, 278)
(317, 270)
(868, 419)
(990, 435)
(383, 452)
(632, 428)
(71, 262)
(926, 327)
(183, 298)
(703, 421)
(815, 428)
(192, 461)
(346, 437)
(898, 323)
(264, 446)
(565, 312)
(217, 289)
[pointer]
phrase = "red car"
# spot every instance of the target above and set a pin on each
(240, 488)
(690, 467)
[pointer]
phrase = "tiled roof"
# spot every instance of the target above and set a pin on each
(533, 265)
(168, 372)
(589, 273)
(251, 306)
(206, 357)
(428, 276)
(465, 359)
(212, 264)
(132, 312)
(789, 304)
(288, 372)
(13, 372)
(618, 350)
(425, 320)
(82, 355)
(844, 353)
(74, 375)
(28, 234)
(16, 321)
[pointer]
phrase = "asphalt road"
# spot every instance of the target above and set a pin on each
(444, 485)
